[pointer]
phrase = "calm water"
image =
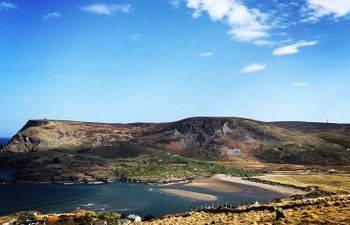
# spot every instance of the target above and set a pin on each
(5, 174)
(120, 197)
(3, 141)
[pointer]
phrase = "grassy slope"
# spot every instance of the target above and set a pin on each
(163, 165)
(78, 151)
(155, 165)
(333, 210)
(324, 210)
(327, 182)
(78, 217)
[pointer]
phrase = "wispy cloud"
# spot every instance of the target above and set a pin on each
(293, 49)
(7, 5)
(206, 54)
(107, 9)
(316, 9)
(300, 84)
(246, 24)
(53, 15)
(255, 67)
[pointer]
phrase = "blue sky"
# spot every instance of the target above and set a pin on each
(147, 60)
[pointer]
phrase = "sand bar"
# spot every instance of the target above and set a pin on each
(275, 188)
(190, 194)
(216, 184)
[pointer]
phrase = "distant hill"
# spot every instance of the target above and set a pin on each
(201, 138)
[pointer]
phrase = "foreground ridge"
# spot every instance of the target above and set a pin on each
(299, 209)
(334, 209)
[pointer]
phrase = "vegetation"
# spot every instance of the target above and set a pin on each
(68, 151)
(322, 210)
(327, 182)
(78, 217)
(162, 165)
(110, 217)
(319, 210)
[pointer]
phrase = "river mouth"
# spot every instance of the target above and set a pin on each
(119, 197)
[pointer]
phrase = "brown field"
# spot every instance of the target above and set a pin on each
(327, 182)
(324, 210)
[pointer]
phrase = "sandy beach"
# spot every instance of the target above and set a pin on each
(190, 194)
(275, 188)
(215, 183)
(223, 183)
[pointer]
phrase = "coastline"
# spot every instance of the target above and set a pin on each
(218, 182)
(271, 187)
(224, 183)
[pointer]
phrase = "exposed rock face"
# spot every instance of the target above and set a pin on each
(200, 137)
(20, 143)
(47, 146)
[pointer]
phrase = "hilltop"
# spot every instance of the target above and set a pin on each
(72, 151)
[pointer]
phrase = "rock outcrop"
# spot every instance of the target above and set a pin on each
(84, 151)
(200, 137)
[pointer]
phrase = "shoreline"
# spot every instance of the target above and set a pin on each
(218, 182)
(271, 187)
(293, 209)
(223, 183)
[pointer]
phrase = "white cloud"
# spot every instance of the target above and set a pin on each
(319, 8)
(293, 49)
(206, 54)
(7, 5)
(52, 15)
(300, 84)
(107, 9)
(253, 68)
(135, 36)
(245, 24)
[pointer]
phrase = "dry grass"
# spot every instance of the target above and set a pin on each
(327, 182)
(78, 217)
(332, 210)
(4, 219)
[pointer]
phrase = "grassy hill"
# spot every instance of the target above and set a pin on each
(70, 151)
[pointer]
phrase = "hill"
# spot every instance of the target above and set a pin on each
(296, 210)
(333, 209)
(83, 151)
